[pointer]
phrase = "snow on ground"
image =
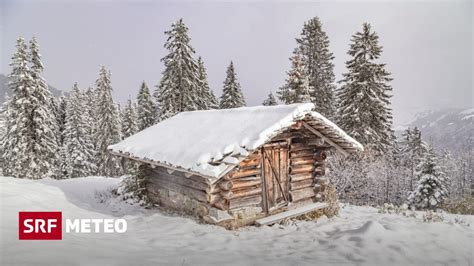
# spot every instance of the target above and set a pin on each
(359, 235)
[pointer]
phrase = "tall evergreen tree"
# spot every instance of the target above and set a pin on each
(129, 120)
(317, 59)
(43, 117)
(108, 127)
(413, 148)
(146, 109)
(296, 89)
(207, 99)
(29, 143)
(232, 95)
(178, 89)
(270, 100)
(78, 143)
(364, 98)
(432, 186)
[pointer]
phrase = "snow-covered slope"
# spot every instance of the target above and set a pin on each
(359, 236)
(446, 128)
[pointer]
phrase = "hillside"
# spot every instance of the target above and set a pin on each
(446, 128)
(4, 88)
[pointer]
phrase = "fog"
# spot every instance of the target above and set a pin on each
(427, 45)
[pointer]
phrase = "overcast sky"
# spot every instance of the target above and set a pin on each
(427, 45)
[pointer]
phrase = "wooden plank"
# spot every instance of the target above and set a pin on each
(300, 194)
(245, 193)
(299, 177)
(298, 169)
(246, 172)
(310, 128)
(302, 184)
(302, 161)
(237, 184)
(291, 213)
(245, 202)
(181, 180)
(190, 192)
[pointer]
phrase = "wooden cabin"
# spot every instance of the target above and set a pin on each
(238, 165)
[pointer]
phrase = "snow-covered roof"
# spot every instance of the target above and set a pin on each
(212, 142)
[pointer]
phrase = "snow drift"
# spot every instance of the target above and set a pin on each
(359, 236)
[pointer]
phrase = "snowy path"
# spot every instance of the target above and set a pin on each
(359, 236)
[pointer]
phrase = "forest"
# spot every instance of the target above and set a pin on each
(68, 136)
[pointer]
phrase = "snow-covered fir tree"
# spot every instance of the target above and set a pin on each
(270, 100)
(178, 88)
(317, 59)
(129, 120)
(432, 186)
(30, 142)
(146, 109)
(60, 113)
(108, 127)
(413, 147)
(232, 95)
(296, 89)
(78, 144)
(207, 99)
(364, 97)
(43, 117)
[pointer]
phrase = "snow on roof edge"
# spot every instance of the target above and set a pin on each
(283, 116)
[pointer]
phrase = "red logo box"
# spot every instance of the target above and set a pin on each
(40, 225)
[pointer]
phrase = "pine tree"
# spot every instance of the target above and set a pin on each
(232, 95)
(60, 113)
(270, 100)
(30, 143)
(432, 186)
(296, 89)
(129, 120)
(178, 89)
(43, 117)
(146, 109)
(108, 129)
(77, 141)
(364, 99)
(317, 59)
(207, 99)
(413, 148)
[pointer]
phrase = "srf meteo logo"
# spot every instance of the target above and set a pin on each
(49, 225)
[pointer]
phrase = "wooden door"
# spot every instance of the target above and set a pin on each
(275, 176)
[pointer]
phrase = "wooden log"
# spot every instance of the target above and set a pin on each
(319, 171)
(245, 173)
(238, 184)
(302, 153)
(221, 204)
(299, 177)
(301, 161)
(183, 181)
(190, 192)
(300, 147)
(302, 169)
(246, 192)
(250, 162)
(225, 185)
(162, 170)
(301, 194)
(227, 194)
(320, 155)
(302, 184)
(245, 202)
(213, 198)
